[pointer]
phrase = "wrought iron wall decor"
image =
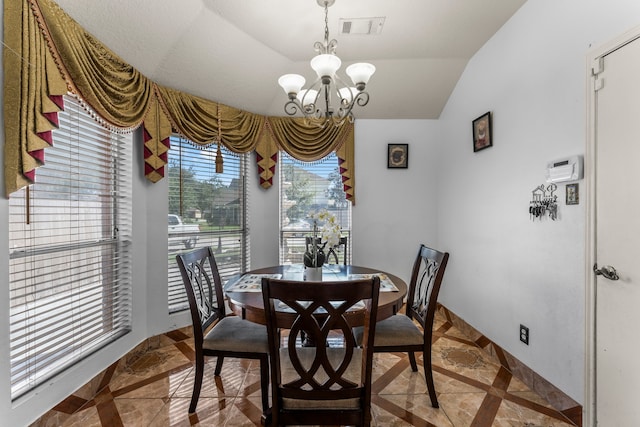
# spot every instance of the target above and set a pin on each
(543, 202)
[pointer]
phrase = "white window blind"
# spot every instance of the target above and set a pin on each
(205, 209)
(69, 235)
(306, 188)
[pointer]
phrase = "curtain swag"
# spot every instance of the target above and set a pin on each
(47, 55)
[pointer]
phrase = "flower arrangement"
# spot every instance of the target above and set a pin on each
(326, 225)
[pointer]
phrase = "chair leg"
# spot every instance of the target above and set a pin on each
(428, 374)
(197, 384)
(412, 360)
(366, 418)
(264, 390)
(218, 366)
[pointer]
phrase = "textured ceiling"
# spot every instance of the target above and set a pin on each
(233, 51)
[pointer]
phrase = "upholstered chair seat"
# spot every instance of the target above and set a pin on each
(395, 331)
(234, 334)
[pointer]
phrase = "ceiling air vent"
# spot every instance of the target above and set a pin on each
(361, 26)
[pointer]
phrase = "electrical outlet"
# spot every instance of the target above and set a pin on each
(524, 334)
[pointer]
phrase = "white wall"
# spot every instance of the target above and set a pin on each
(395, 209)
(263, 219)
(506, 269)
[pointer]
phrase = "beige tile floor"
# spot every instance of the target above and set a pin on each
(473, 390)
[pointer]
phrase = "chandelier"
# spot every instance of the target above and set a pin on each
(317, 101)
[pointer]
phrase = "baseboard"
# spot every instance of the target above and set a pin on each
(560, 401)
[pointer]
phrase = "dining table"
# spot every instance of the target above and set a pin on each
(244, 292)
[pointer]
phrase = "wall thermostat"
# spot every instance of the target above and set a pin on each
(568, 169)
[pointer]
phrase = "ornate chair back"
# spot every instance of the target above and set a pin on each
(203, 286)
(331, 382)
(426, 279)
(214, 333)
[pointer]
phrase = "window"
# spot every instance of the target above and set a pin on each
(205, 209)
(69, 257)
(306, 188)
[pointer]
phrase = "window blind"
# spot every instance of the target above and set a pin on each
(205, 209)
(306, 188)
(69, 257)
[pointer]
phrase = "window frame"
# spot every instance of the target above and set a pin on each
(231, 245)
(292, 234)
(70, 278)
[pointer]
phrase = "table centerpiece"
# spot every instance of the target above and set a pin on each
(326, 232)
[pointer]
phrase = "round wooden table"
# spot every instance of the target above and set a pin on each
(249, 305)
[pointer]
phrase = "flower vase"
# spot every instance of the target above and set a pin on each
(313, 274)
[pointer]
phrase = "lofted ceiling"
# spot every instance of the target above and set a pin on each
(233, 51)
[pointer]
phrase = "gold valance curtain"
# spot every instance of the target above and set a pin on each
(47, 54)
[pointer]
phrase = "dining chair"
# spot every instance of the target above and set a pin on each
(400, 333)
(332, 253)
(329, 384)
(216, 334)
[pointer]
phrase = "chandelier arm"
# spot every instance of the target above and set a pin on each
(317, 84)
(344, 112)
(309, 109)
(362, 98)
(292, 107)
(337, 120)
(326, 47)
(331, 46)
(345, 105)
(317, 114)
(339, 83)
(319, 48)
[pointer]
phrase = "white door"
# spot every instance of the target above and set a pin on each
(617, 236)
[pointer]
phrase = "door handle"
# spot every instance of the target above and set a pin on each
(607, 271)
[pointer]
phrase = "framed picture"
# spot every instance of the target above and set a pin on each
(398, 156)
(573, 196)
(482, 136)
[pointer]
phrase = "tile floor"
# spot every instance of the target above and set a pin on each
(155, 390)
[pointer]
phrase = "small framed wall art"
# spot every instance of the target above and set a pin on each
(482, 136)
(398, 156)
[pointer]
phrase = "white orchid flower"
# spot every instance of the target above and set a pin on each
(328, 227)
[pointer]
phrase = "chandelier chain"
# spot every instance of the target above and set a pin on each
(326, 23)
(326, 47)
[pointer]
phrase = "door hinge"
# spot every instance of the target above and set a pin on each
(597, 67)
(598, 84)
